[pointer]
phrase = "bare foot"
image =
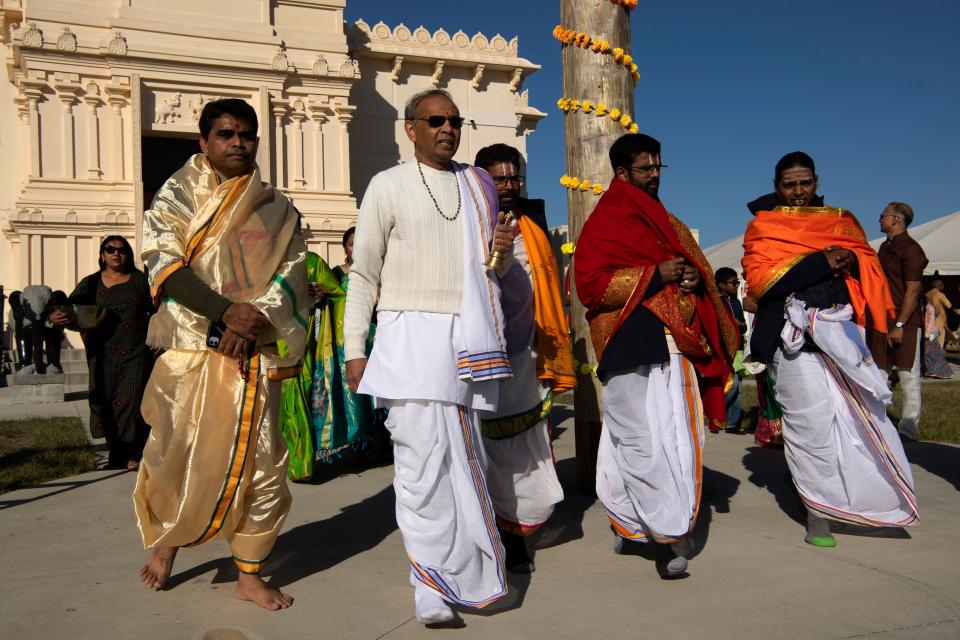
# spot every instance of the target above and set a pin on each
(250, 586)
(158, 567)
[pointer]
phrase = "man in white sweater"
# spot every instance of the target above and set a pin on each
(424, 230)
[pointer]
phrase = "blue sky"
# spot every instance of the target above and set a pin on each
(870, 89)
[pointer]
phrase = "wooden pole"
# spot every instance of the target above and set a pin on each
(596, 77)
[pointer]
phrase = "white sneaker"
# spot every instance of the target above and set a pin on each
(431, 608)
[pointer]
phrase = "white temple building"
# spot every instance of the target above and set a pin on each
(99, 102)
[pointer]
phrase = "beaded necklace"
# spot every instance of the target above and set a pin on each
(430, 193)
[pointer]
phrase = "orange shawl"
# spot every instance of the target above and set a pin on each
(554, 354)
(777, 240)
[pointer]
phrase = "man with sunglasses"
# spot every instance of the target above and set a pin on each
(903, 262)
(226, 264)
(664, 346)
(520, 470)
(424, 231)
(728, 284)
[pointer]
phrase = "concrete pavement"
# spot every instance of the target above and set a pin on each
(71, 551)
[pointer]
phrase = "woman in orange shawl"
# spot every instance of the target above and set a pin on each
(818, 283)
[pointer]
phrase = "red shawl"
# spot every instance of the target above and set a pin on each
(623, 241)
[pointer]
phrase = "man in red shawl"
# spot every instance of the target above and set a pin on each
(664, 345)
(818, 283)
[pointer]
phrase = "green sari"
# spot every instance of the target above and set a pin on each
(341, 418)
(319, 415)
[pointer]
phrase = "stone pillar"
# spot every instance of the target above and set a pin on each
(118, 95)
(278, 108)
(67, 90)
(344, 114)
(318, 115)
(296, 147)
(32, 88)
(92, 99)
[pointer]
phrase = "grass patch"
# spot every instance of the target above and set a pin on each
(42, 449)
(939, 420)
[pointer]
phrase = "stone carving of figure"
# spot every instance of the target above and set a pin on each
(36, 302)
(169, 109)
(33, 37)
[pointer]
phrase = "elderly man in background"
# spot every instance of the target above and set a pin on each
(423, 234)
(903, 262)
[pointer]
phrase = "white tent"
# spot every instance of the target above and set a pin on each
(940, 239)
(726, 254)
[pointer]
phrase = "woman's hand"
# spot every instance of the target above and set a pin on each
(59, 318)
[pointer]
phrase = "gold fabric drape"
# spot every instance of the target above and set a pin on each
(215, 464)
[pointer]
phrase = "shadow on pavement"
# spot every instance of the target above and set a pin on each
(939, 459)
(315, 546)
(718, 489)
(59, 486)
(566, 523)
(768, 469)
(517, 591)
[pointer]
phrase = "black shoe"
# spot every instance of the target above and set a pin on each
(518, 559)
(670, 566)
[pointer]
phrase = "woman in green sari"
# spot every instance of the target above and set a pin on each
(320, 416)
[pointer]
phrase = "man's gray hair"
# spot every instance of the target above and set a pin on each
(903, 210)
(410, 110)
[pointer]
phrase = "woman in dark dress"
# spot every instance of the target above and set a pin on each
(118, 358)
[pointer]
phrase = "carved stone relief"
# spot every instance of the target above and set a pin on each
(67, 40)
(33, 37)
(350, 68)
(117, 46)
(320, 66)
(280, 60)
(169, 110)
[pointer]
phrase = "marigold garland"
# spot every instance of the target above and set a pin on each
(576, 184)
(599, 109)
(571, 37)
(584, 368)
(629, 5)
(567, 248)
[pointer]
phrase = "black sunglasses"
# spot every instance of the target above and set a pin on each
(436, 122)
(111, 249)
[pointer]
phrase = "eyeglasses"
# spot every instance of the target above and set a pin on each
(648, 169)
(502, 181)
(435, 122)
(112, 249)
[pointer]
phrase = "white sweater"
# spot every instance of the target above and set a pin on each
(404, 247)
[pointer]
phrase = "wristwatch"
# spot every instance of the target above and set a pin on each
(899, 325)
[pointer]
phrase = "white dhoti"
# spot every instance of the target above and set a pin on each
(844, 454)
(443, 509)
(433, 371)
(649, 466)
(521, 470)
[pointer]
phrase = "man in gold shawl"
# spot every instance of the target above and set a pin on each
(225, 259)
(521, 474)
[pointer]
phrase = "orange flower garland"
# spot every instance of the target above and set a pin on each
(576, 184)
(629, 5)
(568, 105)
(570, 37)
